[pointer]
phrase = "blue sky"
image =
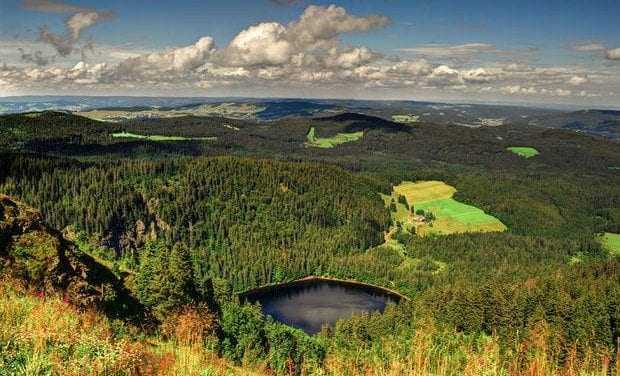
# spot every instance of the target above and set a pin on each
(576, 39)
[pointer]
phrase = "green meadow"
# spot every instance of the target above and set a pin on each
(524, 151)
(451, 216)
(161, 138)
(611, 242)
(330, 142)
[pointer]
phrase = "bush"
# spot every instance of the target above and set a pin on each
(243, 334)
(403, 200)
(427, 265)
(290, 350)
(191, 325)
(164, 281)
(403, 237)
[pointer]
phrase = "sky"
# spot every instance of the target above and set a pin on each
(527, 51)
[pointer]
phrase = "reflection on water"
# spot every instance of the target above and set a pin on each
(308, 305)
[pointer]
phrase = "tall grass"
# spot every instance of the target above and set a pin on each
(430, 351)
(44, 335)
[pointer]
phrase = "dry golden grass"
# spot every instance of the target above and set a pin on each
(44, 335)
(468, 357)
(423, 191)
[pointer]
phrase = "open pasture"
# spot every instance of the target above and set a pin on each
(451, 216)
(524, 151)
(611, 242)
(423, 191)
(330, 142)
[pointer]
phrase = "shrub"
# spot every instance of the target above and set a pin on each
(191, 325)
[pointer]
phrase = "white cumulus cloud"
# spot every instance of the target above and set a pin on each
(613, 54)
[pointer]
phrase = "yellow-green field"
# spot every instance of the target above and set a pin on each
(524, 151)
(611, 242)
(330, 142)
(405, 119)
(161, 138)
(451, 216)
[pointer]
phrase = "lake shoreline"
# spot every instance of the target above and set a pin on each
(312, 278)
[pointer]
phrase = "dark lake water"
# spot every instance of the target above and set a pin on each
(310, 304)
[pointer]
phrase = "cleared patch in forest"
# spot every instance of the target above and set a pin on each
(417, 265)
(611, 242)
(524, 151)
(161, 138)
(330, 142)
(399, 234)
(428, 199)
(405, 119)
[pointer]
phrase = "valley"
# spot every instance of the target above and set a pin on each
(192, 211)
(309, 188)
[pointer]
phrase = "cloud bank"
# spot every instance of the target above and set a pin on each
(304, 55)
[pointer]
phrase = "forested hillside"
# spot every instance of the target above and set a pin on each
(181, 227)
(232, 212)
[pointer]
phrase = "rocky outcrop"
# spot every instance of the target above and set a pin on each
(43, 258)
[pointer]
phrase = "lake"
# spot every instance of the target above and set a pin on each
(311, 303)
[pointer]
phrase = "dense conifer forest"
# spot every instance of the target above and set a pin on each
(187, 225)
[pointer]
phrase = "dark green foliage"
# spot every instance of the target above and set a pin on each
(264, 213)
(580, 304)
(222, 290)
(403, 200)
(243, 334)
(427, 265)
(247, 336)
(38, 129)
(290, 348)
(429, 216)
(164, 281)
(201, 229)
(403, 237)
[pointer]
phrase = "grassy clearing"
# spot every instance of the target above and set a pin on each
(330, 142)
(451, 216)
(423, 191)
(524, 151)
(405, 119)
(611, 242)
(161, 138)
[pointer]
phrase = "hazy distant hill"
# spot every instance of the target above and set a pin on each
(597, 122)
(604, 123)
